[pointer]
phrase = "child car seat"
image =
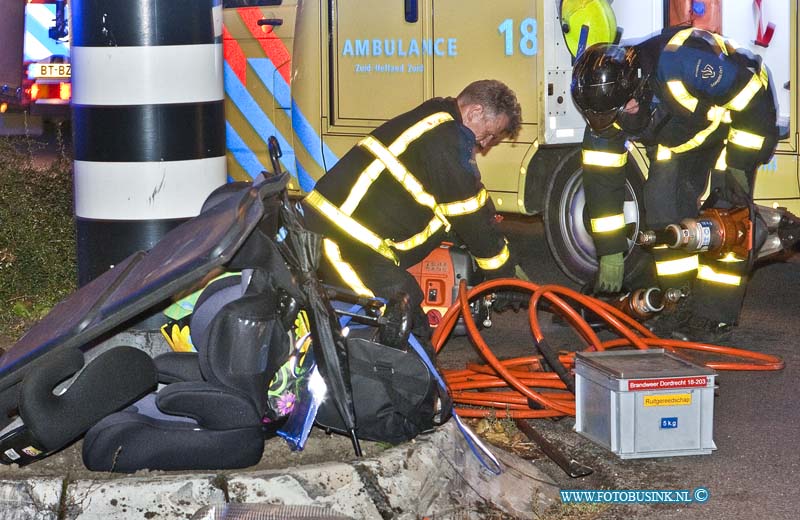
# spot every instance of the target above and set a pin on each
(208, 416)
(42, 417)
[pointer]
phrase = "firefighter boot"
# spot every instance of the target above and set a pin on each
(704, 330)
(673, 317)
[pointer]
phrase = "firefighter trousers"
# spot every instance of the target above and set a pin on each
(384, 279)
(672, 192)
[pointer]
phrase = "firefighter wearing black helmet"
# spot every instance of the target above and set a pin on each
(704, 109)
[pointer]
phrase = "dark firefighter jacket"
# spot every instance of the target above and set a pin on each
(705, 92)
(401, 189)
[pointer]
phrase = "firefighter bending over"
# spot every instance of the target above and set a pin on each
(703, 108)
(404, 188)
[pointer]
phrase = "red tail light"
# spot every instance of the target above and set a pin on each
(34, 91)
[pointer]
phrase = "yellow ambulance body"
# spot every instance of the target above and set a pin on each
(319, 75)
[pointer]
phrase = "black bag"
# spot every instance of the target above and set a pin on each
(396, 397)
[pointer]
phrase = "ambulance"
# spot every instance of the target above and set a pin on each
(319, 75)
(35, 68)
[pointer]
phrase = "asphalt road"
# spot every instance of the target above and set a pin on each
(757, 414)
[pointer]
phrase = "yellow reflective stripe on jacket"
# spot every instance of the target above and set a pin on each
(345, 270)
(410, 243)
(350, 226)
(708, 274)
(404, 177)
(607, 224)
(682, 96)
(759, 80)
(398, 171)
(680, 37)
(715, 115)
(606, 159)
(663, 153)
(361, 186)
(677, 266)
(398, 146)
(740, 101)
(386, 159)
(718, 115)
(464, 207)
(721, 42)
(416, 130)
(495, 262)
(745, 139)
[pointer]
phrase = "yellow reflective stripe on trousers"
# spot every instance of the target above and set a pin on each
(350, 226)
(745, 139)
(722, 160)
(677, 266)
(398, 146)
(607, 224)
(708, 274)
(730, 258)
(345, 270)
(682, 96)
(606, 159)
(495, 262)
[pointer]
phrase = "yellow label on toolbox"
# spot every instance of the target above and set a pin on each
(668, 400)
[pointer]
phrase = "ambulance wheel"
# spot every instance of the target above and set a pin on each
(566, 225)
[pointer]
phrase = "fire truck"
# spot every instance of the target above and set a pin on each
(35, 69)
(321, 75)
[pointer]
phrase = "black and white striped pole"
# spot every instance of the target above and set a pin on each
(148, 121)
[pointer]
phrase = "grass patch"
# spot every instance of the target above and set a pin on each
(37, 233)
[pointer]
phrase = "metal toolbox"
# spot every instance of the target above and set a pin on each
(644, 403)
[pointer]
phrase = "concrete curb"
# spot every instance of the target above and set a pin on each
(435, 475)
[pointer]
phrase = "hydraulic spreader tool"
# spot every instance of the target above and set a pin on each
(730, 232)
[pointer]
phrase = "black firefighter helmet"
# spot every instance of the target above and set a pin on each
(605, 77)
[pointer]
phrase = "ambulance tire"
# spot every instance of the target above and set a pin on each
(566, 225)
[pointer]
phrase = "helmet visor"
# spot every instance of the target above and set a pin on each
(600, 121)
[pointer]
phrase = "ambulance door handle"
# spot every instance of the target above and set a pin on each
(271, 21)
(412, 11)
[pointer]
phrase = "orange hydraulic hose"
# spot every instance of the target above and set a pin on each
(510, 387)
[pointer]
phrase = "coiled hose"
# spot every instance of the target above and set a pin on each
(522, 388)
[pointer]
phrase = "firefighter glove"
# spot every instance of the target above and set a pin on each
(609, 276)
